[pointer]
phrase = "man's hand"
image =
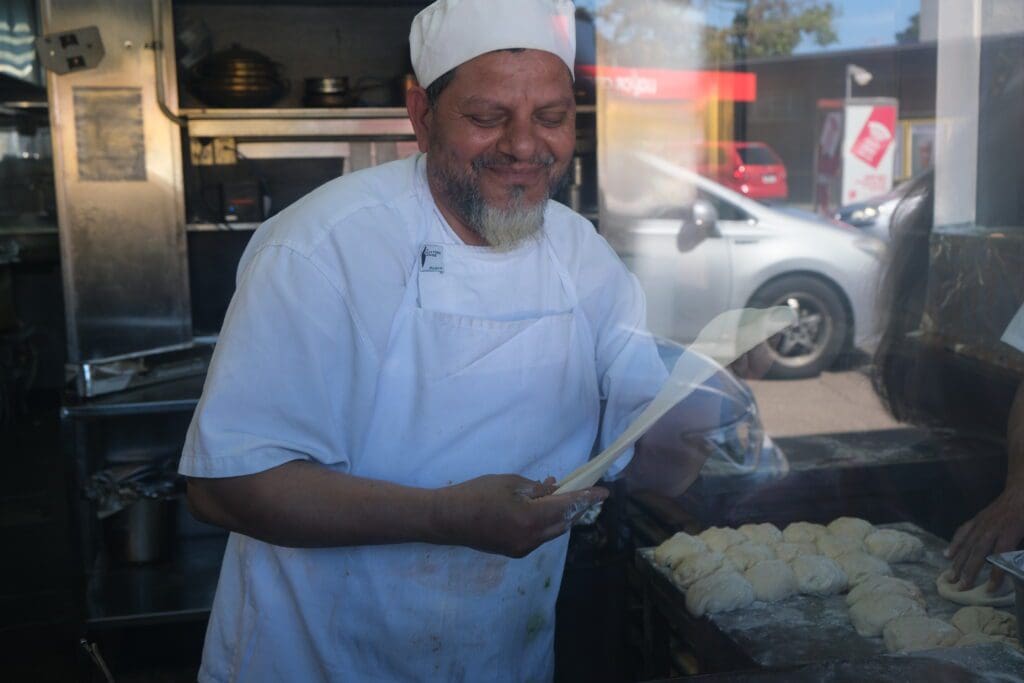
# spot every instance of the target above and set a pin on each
(996, 529)
(508, 514)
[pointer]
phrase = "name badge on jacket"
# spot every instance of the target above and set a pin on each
(432, 259)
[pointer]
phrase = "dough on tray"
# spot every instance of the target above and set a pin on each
(834, 546)
(854, 527)
(768, 534)
(982, 638)
(859, 566)
(870, 615)
(695, 567)
(803, 532)
(723, 591)
(894, 546)
(746, 555)
(917, 632)
(672, 551)
(888, 585)
(987, 620)
(978, 595)
(772, 580)
(720, 538)
(818, 575)
(790, 551)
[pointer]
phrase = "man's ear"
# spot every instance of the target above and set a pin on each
(418, 106)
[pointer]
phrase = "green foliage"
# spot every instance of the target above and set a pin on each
(771, 28)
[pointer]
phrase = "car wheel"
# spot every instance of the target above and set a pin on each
(818, 338)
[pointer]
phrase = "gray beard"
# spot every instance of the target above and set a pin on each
(503, 228)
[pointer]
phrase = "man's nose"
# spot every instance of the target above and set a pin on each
(520, 139)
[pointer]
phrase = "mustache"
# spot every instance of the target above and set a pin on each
(498, 160)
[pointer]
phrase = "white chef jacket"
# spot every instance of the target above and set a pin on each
(297, 367)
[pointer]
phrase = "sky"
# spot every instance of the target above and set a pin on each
(860, 24)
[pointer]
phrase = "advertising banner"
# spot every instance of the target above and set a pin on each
(869, 146)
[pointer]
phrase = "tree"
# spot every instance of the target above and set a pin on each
(672, 34)
(912, 33)
(771, 28)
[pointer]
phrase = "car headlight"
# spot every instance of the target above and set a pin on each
(871, 246)
(863, 215)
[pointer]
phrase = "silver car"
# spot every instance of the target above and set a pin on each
(723, 251)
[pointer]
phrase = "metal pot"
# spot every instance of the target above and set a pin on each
(237, 77)
(329, 91)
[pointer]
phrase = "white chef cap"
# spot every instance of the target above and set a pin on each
(451, 32)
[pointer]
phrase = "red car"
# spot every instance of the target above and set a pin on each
(750, 168)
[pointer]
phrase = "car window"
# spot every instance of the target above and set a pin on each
(727, 211)
(757, 156)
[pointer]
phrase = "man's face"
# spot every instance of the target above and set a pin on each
(501, 136)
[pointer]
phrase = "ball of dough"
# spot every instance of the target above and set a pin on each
(982, 638)
(695, 567)
(870, 615)
(790, 551)
(860, 566)
(720, 538)
(992, 622)
(854, 527)
(818, 575)
(672, 551)
(773, 580)
(803, 532)
(746, 555)
(894, 546)
(767, 534)
(888, 585)
(834, 546)
(723, 591)
(916, 632)
(978, 595)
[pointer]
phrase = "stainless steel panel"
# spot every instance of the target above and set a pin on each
(278, 126)
(119, 199)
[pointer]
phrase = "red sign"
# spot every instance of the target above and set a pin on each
(672, 84)
(875, 136)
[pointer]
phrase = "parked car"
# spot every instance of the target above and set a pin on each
(874, 215)
(751, 168)
(722, 251)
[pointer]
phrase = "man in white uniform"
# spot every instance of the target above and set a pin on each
(412, 351)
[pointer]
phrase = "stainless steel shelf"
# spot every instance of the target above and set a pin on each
(374, 122)
(221, 227)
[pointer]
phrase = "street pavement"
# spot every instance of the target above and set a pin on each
(833, 402)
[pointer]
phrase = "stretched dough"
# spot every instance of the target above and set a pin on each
(746, 555)
(772, 580)
(790, 551)
(696, 567)
(870, 615)
(979, 595)
(854, 527)
(720, 538)
(818, 575)
(860, 566)
(880, 584)
(987, 620)
(723, 591)
(671, 552)
(768, 534)
(894, 546)
(803, 532)
(916, 632)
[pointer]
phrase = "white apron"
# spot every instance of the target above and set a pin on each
(459, 396)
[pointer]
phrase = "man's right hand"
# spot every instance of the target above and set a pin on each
(507, 514)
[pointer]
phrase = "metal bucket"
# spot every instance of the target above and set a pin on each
(141, 532)
(1013, 565)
